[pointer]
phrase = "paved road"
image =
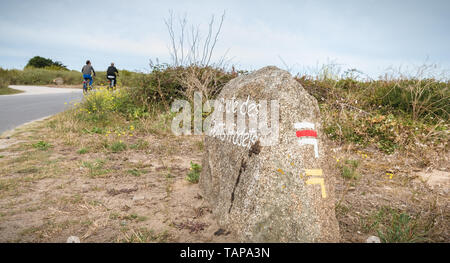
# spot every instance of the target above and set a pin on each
(34, 103)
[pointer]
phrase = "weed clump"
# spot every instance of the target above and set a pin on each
(118, 147)
(194, 174)
(349, 169)
(42, 145)
(394, 226)
(82, 151)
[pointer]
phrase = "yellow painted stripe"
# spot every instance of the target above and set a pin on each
(313, 172)
(318, 181)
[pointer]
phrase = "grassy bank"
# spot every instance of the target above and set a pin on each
(8, 91)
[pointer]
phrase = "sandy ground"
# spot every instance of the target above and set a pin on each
(131, 196)
(141, 195)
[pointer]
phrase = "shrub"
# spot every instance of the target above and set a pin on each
(102, 101)
(349, 169)
(426, 100)
(166, 83)
(4, 83)
(40, 62)
(194, 175)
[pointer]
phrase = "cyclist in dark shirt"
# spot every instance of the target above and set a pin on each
(112, 73)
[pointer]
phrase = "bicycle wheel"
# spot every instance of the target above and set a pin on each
(84, 87)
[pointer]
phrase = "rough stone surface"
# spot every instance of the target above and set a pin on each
(58, 81)
(261, 193)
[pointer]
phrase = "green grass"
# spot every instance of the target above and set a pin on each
(118, 147)
(94, 130)
(42, 145)
(82, 151)
(139, 145)
(194, 175)
(9, 91)
(144, 235)
(395, 226)
(135, 172)
(96, 168)
(349, 169)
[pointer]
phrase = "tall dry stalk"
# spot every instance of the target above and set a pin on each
(189, 50)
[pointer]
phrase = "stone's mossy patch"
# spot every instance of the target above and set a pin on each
(276, 193)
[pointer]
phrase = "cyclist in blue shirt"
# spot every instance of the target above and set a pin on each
(87, 71)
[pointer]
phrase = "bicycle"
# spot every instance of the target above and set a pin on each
(112, 82)
(86, 86)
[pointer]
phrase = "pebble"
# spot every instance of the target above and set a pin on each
(85, 188)
(73, 239)
(138, 197)
(373, 239)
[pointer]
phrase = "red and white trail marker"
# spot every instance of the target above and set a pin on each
(307, 135)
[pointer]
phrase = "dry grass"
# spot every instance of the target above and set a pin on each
(386, 199)
(99, 195)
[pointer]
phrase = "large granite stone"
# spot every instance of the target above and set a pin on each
(279, 192)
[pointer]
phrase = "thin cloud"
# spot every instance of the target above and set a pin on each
(370, 36)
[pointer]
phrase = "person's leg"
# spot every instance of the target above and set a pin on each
(86, 78)
(110, 81)
(90, 80)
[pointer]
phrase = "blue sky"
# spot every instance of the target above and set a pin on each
(370, 36)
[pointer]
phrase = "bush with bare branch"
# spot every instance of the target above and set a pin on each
(195, 54)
